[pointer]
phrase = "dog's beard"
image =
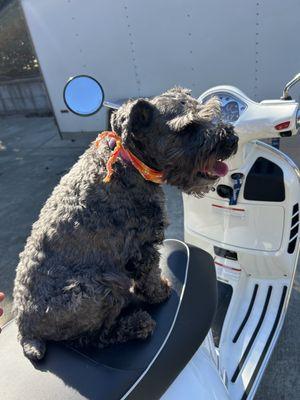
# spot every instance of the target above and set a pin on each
(200, 186)
(196, 177)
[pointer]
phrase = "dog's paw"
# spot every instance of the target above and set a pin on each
(34, 349)
(166, 288)
(153, 291)
(144, 325)
(162, 293)
(138, 325)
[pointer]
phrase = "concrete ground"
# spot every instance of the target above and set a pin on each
(33, 159)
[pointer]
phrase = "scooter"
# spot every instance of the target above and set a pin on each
(249, 224)
(243, 235)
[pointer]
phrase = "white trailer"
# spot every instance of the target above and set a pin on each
(141, 48)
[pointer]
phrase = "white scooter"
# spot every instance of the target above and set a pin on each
(250, 225)
(246, 230)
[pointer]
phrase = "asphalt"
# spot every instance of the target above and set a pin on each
(32, 160)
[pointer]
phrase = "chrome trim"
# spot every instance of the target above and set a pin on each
(227, 89)
(232, 97)
(285, 94)
(110, 104)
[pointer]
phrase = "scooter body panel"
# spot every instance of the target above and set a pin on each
(199, 380)
(255, 245)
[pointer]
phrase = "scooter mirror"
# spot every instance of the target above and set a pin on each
(83, 95)
(285, 95)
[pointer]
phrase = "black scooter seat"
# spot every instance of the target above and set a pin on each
(135, 370)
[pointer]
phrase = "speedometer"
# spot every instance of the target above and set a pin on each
(231, 111)
(231, 106)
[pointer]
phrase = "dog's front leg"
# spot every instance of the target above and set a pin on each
(150, 286)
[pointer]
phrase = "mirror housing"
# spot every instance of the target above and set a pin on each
(83, 95)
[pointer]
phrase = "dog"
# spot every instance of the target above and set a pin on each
(94, 250)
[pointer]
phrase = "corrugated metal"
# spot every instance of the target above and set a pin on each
(25, 96)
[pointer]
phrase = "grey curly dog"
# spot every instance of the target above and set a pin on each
(94, 250)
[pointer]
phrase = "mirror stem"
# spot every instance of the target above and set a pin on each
(110, 104)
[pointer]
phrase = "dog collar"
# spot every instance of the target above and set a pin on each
(149, 174)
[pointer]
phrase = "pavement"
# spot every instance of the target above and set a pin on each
(33, 159)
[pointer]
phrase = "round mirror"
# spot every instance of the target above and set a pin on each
(83, 95)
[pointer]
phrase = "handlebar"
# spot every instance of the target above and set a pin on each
(252, 120)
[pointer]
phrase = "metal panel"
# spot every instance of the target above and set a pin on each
(23, 96)
(137, 48)
(277, 46)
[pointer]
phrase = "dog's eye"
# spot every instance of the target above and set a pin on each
(183, 102)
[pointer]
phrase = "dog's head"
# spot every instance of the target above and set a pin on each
(175, 134)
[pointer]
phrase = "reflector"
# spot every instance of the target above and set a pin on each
(282, 126)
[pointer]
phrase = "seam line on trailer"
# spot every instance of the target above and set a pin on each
(257, 50)
(132, 50)
(239, 331)
(248, 348)
(267, 345)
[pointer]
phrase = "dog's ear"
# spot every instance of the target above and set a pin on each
(179, 91)
(141, 115)
(178, 124)
(204, 113)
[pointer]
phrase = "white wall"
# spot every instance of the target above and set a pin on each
(140, 48)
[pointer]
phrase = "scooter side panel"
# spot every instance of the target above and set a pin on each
(261, 278)
(200, 380)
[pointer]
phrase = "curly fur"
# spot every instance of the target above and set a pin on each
(95, 247)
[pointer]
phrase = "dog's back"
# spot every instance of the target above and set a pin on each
(72, 276)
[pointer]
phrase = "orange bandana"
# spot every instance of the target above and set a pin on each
(147, 173)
